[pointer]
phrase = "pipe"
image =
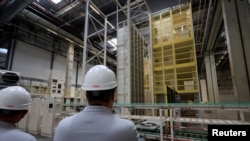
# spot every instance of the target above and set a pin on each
(68, 7)
(47, 25)
(193, 128)
(171, 124)
(12, 9)
(129, 47)
(86, 24)
(161, 126)
(11, 52)
(150, 63)
(105, 41)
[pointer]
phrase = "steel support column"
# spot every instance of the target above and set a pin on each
(129, 48)
(105, 41)
(203, 90)
(85, 38)
(236, 51)
(214, 77)
(171, 124)
(161, 122)
(244, 21)
(69, 71)
(213, 91)
(151, 80)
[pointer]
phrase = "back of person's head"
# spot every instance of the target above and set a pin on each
(14, 100)
(99, 82)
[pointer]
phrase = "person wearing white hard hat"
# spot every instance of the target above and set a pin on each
(14, 105)
(97, 122)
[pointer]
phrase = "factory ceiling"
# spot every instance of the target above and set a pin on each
(67, 17)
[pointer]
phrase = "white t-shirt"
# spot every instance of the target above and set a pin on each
(9, 132)
(95, 123)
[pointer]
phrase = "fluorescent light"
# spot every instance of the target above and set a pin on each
(51, 31)
(56, 1)
(3, 50)
(111, 25)
(113, 42)
(69, 40)
(95, 9)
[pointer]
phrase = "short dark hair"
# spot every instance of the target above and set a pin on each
(100, 95)
(5, 112)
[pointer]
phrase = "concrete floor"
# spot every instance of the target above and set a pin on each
(41, 138)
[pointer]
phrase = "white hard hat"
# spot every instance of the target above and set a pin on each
(99, 77)
(15, 98)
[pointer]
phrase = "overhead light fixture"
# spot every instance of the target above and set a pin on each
(3, 50)
(111, 25)
(51, 31)
(93, 8)
(56, 1)
(69, 40)
(113, 42)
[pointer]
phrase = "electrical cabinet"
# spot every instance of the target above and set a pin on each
(51, 116)
(35, 116)
(57, 83)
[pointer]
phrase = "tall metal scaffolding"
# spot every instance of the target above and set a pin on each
(130, 49)
(103, 32)
(130, 70)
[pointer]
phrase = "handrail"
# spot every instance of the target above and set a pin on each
(208, 106)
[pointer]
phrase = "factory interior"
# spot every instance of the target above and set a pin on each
(181, 65)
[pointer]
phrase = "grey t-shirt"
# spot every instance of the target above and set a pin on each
(9, 132)
(95, 123)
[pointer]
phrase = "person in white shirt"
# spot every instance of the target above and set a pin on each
(97, 122)
(14, 105)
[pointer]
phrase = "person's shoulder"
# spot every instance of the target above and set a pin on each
(23, 135)
(66, 122)
(126, 121)
(67, 119)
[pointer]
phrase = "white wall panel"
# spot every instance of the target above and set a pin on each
(34, 62)
(60, 63)
(31, 61)
(80, 73)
